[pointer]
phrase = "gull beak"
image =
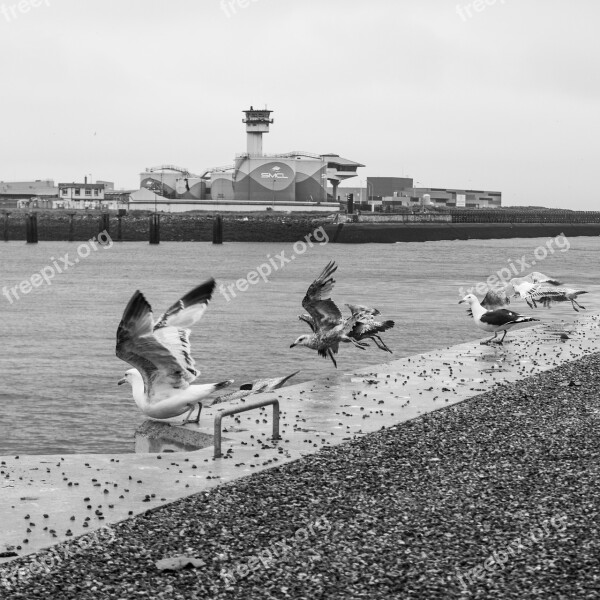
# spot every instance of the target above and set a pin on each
(122, 381)
(461, 301)
(292, 345)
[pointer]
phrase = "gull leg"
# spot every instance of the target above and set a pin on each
(187, 417)
(197, 419)
(502, 340)
(360, 345)
(330, 354)
(574, 302)
(383, 346)
(487, 342)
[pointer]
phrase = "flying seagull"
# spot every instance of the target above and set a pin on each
(546, 295)
(161, 354)
(329, 328)
(500, 297)
(365, 327)
(497, 320)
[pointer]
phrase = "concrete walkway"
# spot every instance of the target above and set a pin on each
(47, 499)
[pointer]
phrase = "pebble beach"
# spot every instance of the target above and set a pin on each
(496, 497)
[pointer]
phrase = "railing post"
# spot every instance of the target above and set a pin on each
(218, 230)
(239, 409)
(104, 223)
(6, 226)
(31, 225)
(155, 228)
(71, 227)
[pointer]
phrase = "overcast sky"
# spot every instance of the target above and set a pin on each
(506, 98)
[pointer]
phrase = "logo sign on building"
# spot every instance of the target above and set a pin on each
(461, 200)
(275, 176)
(274, 173)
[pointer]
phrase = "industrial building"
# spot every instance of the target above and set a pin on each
(13, 191)
(292, 181)
(400, 191)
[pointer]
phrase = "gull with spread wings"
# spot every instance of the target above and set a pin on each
(161, 354)
(330, 327)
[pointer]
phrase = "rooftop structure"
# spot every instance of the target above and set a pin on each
(257, 122)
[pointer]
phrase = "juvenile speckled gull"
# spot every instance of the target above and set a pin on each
(328, 325)
(161, 354)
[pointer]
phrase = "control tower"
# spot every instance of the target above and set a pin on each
(257, 122)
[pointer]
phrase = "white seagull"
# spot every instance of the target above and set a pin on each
(497, 320)
(160, 352)
(500, 297)
(547, 295)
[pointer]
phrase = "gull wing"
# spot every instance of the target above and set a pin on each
(138, 346)
(537, 277)
(365, 329)
(266, 385)
(309, 320)
(188, 310)
(525, 288)
(495, 299)
(365, 310)
(499, 317)
(324, 312)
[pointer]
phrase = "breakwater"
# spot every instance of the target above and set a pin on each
(365, 233)
(366, 228)
(135, 227)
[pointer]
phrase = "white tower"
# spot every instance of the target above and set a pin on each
(257, 123)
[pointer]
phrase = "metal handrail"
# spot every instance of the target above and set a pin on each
(240, 409)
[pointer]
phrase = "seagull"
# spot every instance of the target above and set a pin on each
(498, 298)
(497, 320)
(329, 328)
(366, 327)
(258, 386)
(546, 295)
(160, 352)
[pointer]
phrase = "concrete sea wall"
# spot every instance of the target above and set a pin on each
(288, 228)
(364, 233)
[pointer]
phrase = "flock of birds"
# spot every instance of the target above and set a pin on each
(164, 371)
(491, 313)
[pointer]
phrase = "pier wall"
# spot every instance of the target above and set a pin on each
(364, 233)
(289, 228)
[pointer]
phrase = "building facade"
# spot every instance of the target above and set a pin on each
(13, 191)
(254, 177)
(80, 195)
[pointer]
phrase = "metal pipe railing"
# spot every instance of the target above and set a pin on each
(240, 409)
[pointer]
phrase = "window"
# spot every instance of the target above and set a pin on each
(64, 191)
(77, 192)
(88, 192)
(95, 192)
